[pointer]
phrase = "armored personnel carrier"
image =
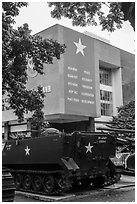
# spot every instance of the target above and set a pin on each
(55, 161)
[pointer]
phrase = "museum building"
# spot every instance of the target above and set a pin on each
(84, 88)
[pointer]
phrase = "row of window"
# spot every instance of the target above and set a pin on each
(105, 95)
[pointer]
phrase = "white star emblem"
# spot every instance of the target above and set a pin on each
(27, 150)
(80, 47)
(89, 147)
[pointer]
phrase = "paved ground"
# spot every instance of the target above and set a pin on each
(123, 191)
(115, 195)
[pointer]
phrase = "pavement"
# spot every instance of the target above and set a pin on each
(125, 181)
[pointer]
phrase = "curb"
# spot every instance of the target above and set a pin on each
(128, 173)
(119, 186)
(44, 197)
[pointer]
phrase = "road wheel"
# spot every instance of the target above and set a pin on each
(18, 180)
(61, 183)
(37, 183)
(76, 183)
(86, 182)
(27, 182)
(48, 184)
(98, 182)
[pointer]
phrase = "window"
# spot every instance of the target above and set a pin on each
(105, 96)
(105, 92)
(106, 109)
(105, 76)
(106, 103)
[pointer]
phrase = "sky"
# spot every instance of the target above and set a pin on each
(38, 17)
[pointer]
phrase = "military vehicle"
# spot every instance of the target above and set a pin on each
(8, 186)
(126, 145)
(54, 162)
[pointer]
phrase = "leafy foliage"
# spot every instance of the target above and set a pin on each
(84, 13)
(17, 46)
(125, 118)
(128, 8)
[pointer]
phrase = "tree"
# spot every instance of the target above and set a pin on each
(125, 119)
(17, 47)
(128, 8)
(84, 13)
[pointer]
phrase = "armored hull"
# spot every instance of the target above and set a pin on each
(53, 163)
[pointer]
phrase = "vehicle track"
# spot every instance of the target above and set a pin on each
(79, 192)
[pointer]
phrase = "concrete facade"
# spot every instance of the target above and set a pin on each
(72, 84)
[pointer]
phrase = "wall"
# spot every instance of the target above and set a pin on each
(128, 75)
(71, 79)
(117, 90)
(52, 79)
(109, 57)
(79, 69)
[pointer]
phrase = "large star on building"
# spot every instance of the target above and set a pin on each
(27, 150)
(89, 147)
(80, 47)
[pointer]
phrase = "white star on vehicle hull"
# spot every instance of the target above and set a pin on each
(27, 150)
(80, 47)
(89, 147)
